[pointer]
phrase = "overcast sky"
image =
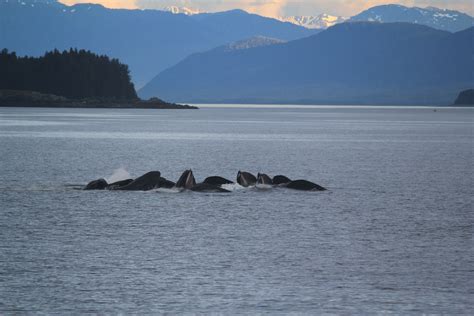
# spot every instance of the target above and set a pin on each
(282, 7)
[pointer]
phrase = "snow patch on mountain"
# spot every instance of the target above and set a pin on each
(321, 21)
(181, 10)
(443, 19)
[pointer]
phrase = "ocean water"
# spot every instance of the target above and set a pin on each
(393, 234)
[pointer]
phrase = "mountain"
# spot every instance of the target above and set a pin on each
(350, 63)
(465, 98)
(149, 41)
(321, 21)
(181, 10)
(441, 19)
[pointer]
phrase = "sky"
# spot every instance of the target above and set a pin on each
(275, 8)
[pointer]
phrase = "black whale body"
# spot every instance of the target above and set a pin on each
(206, 187)
(246, 179)
(119, 184)
(147, 182)
(280, 180)
(262, 178)
(188, 182)
(216, 180)
(167, 184)
(99, 184)
(304, 185)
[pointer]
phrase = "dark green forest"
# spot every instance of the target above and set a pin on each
(75, 74)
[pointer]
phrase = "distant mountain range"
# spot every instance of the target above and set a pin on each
(448, 20)
(149, 41)
(440, 19)
(350, 63)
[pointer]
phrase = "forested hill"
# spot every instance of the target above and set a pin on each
(75, 74)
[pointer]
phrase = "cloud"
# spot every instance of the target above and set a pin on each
(115, 4)
(281, 7)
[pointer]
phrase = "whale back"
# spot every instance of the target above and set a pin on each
(304, 185)
(119, 184)
(217, 180)
(206, 187)
(264, 179)
(99, 184)
(167, 184)
(279, 180)
(186, 181)
(246, 179)
(147, 182)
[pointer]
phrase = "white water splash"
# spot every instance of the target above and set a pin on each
(165, 190)
(232, 187)
(118, 175)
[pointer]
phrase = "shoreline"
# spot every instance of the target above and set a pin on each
(32, 99)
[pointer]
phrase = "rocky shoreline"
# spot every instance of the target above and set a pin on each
(15, 98)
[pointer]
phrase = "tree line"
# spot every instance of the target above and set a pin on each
(75, 74)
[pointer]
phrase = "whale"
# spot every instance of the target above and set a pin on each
(280, 180)
(147, 182)
(216, 180)
(99, 184)
(119, 184)
(303, 185)
(246, 179)
(167, 184)
(264, 181)
(188, 182)
(206, 187)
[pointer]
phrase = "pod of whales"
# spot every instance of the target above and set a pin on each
(153, 180)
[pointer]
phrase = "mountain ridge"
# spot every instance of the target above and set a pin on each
(356, 63)
(442, 19)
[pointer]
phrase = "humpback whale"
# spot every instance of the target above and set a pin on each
(205, 187)
(148, 181)
(217, 181)
(167, 184)
(246, 179)
(263, 181)
(118, 184)
(187, 182)
(304, 185)
(99, 184)
(280, 180)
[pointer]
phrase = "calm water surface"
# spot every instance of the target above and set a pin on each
(394, 233)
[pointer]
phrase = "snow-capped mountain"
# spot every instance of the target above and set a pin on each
(441, 19)
(181, 10)
(321, 21)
